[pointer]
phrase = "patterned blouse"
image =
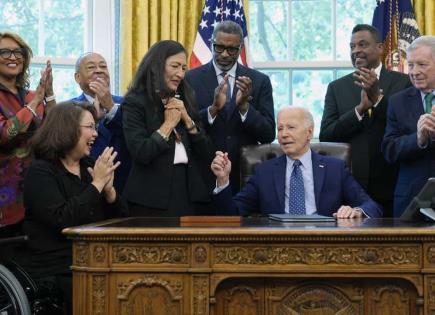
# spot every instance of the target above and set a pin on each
(17, 125)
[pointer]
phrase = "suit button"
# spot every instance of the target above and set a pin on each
(228, 137)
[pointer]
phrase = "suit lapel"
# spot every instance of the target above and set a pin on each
(210, 80)
(415, 104)
(279, 179)
(385, 80)
(318, 175)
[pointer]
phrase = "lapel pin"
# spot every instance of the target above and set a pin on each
(321, 165)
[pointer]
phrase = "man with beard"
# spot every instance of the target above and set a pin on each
(92, 74)
(355, 112)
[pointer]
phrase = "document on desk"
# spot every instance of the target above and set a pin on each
(285, 217)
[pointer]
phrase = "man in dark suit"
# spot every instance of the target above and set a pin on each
(410, 134)
(92, 74)
(235, 102)
(355, 112)
(325, 185)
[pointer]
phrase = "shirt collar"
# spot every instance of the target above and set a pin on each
(89, 98)
(231, 72)
(305, 159)
(378, 70)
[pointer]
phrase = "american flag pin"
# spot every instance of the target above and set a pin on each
(320, 165)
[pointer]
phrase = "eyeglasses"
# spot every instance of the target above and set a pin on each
(6, 53)
(90, 127)
(230, 50)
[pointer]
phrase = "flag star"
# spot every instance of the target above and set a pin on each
(206, 10)
(236, 14)
(227, 11)
(214, 23)
(203, 24)
(217, 11)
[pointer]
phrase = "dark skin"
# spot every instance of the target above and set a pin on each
(225, 61)
(366, 55)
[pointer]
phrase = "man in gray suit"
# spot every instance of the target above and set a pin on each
(355, 112)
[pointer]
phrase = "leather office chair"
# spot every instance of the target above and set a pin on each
(252, 155)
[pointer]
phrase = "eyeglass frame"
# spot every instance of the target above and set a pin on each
(227, 48)
(93, 127)
(3, 51)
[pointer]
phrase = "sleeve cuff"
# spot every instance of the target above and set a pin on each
(209, 118)
(219, 189)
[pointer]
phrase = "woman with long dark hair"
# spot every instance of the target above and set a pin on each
(164, 136)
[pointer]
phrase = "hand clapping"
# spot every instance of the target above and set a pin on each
(103, 173)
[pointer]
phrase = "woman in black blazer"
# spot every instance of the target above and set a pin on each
(163, 132)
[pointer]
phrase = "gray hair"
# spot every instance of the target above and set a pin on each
(423, 41)
(228, 27)
(80, 59)
(308, 117)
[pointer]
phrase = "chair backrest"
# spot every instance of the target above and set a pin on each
(252, 155)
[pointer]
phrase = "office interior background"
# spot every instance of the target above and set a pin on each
(301, 44)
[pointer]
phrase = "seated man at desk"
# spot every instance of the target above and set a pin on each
(300, 182)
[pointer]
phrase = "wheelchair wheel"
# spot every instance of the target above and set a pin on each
(13, 299)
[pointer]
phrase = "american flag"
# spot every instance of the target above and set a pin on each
(214, 12)
(395, 20)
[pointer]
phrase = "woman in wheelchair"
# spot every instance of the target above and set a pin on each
(64, 187)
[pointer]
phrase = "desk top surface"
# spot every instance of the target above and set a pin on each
(261, 226)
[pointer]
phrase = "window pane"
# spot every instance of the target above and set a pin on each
(311, 30)
(62, 33)
(309, 89)
(343, 72)
(65, 87)
(350, 13)
(64, 28)
(281, 87)
(21, 17)
(268, 32)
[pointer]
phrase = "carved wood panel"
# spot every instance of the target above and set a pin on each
(312, 297)
(144, 294)
(353, 255)
(200, 294)
(150, 255)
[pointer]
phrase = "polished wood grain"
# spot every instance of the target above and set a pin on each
(157, 266)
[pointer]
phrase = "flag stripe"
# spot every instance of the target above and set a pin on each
(215, 11)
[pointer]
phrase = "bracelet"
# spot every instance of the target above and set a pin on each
(192, 127)
(166, 138)
(50, 98)
(31, 110)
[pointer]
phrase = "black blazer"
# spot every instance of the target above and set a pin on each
(149, 182)
(340, 124)
(229, 134)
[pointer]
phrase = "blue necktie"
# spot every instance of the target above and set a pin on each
(297, 192)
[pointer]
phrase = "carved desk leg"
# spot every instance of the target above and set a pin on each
(429, 294)
(200, 294)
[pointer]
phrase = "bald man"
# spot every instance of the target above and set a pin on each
(300, 182)
(92, 75)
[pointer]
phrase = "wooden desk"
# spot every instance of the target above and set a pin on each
(153, 266)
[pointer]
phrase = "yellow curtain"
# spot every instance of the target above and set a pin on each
(145, 22)
(425, 13)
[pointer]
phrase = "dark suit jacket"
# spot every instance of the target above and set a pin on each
(400, 145)
(110, 134)
(333, 187)
(149, 183)
(228, 133)
(340, 124)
